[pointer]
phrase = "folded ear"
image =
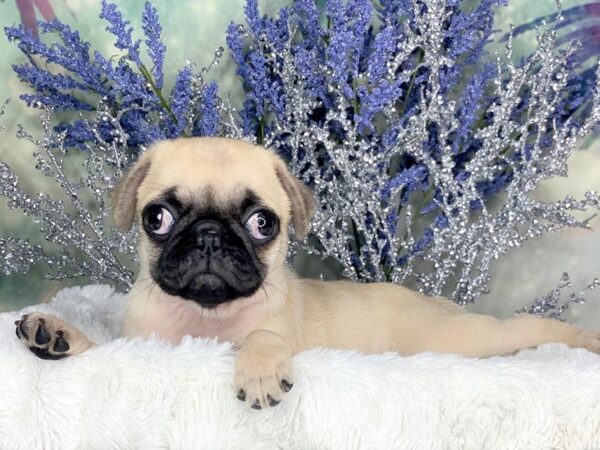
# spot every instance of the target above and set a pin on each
(301, 198)
(124, 194)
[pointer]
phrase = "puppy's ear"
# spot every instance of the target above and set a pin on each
(301, 198)
(124, 194)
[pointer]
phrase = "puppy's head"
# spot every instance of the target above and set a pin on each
(213, 216)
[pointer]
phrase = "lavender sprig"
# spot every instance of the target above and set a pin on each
(125, 84)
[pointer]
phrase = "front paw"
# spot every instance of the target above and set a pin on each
(49, 337)
(262, 376)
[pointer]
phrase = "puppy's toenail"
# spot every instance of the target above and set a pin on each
(256, 404)
(272, 401)
(42, 336)
(60, 345)
(22, 330)
(241, 395)
(286, 385)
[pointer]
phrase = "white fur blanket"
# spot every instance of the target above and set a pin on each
(135, 394)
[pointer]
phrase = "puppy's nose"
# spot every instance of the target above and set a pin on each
(208, 236)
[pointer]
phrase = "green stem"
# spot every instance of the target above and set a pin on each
(387, 271)
(356, 104)
(261, 131)
(326, 37)
(412, 82)
(356, 245)
(158, 92)
(427, 197)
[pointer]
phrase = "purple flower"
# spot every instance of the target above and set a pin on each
(121, 30)
(409, 180)
(156, 49)
(42, 80)
(393, 10)
(310, 51)
(382, 51)
(180, 102)
(124, 85)
(72, 54)
(306, 16)
(209, 122)
(470, 107)
(252, 14)
(61, 102)
(141, 128)
(307, 60)
(349, 23)
(466, 37)
(262, 84)
(383, 95)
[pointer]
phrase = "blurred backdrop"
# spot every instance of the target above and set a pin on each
(193, 29)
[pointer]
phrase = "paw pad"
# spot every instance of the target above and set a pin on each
(44, 335)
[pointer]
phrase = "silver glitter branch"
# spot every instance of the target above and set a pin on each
(551, 304)
(77, 226)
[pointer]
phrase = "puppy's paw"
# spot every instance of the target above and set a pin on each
(263, 373)
(49, 337)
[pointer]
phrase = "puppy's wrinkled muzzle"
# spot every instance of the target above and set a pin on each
(207, 264)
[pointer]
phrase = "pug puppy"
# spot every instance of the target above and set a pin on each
(213, 216)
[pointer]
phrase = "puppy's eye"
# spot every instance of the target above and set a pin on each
(158, 220)
(261, 225)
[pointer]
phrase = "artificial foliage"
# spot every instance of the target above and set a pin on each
(83, 79)
(422, 148)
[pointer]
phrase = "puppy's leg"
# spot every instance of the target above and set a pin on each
(263, 369)
(531, 331)
(481, 336)
(49, 337)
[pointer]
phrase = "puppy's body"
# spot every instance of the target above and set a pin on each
(214, 217)
(370, 318)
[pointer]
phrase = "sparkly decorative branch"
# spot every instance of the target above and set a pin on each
(551, 304)
(77, 224)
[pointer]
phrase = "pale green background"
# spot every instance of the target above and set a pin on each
(193, 29)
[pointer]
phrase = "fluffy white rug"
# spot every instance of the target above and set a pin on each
(136, 394)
